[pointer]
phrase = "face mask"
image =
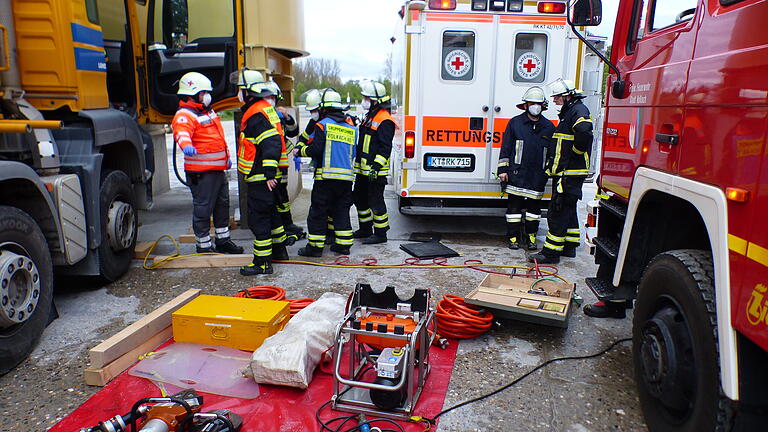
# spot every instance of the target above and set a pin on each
(534, 110)
(240, 96)
(315, 115)
(206, 99)
(271, 101)
(366, 105)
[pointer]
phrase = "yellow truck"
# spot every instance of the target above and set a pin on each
(85, 87)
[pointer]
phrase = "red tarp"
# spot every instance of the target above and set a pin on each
(276, 409)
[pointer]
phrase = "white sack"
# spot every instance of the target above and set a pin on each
(289, 357)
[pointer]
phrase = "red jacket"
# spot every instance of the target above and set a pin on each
(194, 125)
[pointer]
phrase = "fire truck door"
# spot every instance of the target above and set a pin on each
(455, 99)
(185, 36)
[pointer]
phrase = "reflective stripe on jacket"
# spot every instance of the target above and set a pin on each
(251, 158)
(335, 160)
(375, 143)
(202, 129)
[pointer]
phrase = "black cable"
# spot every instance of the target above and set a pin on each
(525, 375)
(175, 166)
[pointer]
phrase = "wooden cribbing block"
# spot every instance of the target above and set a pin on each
(136, 334)
(200, 261)
(141, 249)
(187, 238)
(101, 376)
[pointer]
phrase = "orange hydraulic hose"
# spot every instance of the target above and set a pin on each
(458, 320)
(268, 292)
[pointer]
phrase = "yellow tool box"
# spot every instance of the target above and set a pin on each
(233, 322)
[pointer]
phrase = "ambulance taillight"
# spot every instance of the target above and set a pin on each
(551, 7)
(410, 144)
(442, 4)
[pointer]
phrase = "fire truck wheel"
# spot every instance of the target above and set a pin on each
(119, 225)
(674, 344)
(26, 286)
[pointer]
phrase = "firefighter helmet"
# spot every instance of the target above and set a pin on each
(561, 87)
(330, 98)
(275, 89)
(535, 95)
(374, 90)
(252, 81)
(192, 83)
(312, 99)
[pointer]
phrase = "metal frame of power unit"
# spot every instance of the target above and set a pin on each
(353, 396)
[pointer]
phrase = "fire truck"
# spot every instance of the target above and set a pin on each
(85, 88)
(459, 70)
(683, 163)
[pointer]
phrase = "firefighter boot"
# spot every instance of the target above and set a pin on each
(609, 309)
(340, 249)
(532, 241)
(365, 231)
(202, 250)
(228, 247)
(280, 253)
(311, 251)
(543, 258)
(513, 243)
(569, 252)
(379, 236)
(257, 267)
(293, 233)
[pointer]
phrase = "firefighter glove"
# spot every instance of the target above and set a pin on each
(373, 175)
(189, 150)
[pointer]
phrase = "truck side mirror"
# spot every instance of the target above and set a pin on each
(617, 89)
(586, 13)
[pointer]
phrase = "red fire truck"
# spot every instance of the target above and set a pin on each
(684, 162)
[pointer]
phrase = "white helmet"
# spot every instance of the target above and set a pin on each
(374, 90)
(536, 95)
(561, 87)
(275, 89)
(251, 80)
(312, 99)
(192, 83)
(330, 98)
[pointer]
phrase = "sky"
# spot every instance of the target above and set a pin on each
(357, 32)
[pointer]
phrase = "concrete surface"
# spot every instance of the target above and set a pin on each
(576, 396)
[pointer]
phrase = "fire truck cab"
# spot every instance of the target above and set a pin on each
(683, 161)
(459, 70)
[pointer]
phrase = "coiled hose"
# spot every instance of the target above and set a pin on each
(458, 320)
(269, 292)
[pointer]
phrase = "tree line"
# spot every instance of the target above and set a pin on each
(319, 73)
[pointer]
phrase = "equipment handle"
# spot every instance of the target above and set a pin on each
(667, 138)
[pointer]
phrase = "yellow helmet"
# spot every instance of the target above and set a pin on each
(330, 98)
(192, 83)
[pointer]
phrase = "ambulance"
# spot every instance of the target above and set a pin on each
(459, 68)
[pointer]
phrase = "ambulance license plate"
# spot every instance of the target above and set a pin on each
(451, 162)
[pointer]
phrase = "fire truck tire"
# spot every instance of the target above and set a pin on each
(119, 225)
(31, 285)
(674, 344)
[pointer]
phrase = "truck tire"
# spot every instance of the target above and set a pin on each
(119, 225)
(26, 290)
(674, 344)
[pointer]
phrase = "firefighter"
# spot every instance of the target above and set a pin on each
(333, 150)
(372, 163)
(261, 144)
(568, 166)
(525, 144)
(197, 130)
(293, 232)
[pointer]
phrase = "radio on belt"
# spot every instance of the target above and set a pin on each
(390, 363)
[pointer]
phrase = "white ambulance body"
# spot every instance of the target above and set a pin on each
(459, 70)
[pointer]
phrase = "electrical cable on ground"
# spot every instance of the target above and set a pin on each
(268, 292)
(458, 320)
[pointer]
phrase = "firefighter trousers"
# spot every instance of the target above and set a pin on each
(515, 215)
(264, 220)
(563, 223)
(330, 198)
(284, 204)
(369, 201)
(210, 197)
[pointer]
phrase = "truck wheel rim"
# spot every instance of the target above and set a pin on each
(121, 225)
(19, 288)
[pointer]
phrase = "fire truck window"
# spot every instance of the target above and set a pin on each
(638, 26)
(665, 13)
(187, 21)
(458, 60)
(530, 59)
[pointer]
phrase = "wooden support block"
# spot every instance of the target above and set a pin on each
(201, 261)
(100, 376)
(135, 334)
(141, 249)
(187, 238)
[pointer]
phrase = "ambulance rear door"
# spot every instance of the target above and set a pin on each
(457, 64)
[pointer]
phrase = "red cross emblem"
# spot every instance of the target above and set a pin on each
(529, 66)
(457, 63)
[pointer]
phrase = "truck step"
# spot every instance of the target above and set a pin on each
(608, 246)
(604, 290)
(618, 209)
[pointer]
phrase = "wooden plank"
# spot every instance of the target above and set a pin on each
(187, 238)
(203, 261)
(101, 376)
(141, 249)
(135, 334)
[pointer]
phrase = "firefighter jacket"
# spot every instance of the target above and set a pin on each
(199, 127)
(291, 130)
(523, 155)
(333, 148)
(309, 132)
(261, 142)
(569, 163)
(375, 142)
